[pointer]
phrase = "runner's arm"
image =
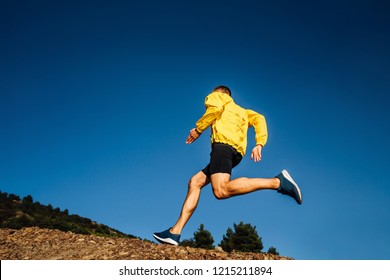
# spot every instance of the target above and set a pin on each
(258, 122)
(214, 107)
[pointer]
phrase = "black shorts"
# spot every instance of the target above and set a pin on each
(223, 158)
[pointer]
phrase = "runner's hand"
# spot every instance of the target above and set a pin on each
(256, 153)
(192, 136)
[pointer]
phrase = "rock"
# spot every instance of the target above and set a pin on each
(218, 248)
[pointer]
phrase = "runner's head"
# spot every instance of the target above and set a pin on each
(223, 89)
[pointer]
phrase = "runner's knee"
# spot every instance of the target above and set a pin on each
(194, 183)
(220, 192)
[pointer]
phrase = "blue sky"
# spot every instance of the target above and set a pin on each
(97, 99)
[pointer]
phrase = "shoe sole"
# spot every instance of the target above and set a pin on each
(166, 240)
(288, 177)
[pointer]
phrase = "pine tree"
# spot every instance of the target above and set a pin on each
(244, 238)
(203, 238)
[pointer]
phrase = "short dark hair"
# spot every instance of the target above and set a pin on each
(223, 89)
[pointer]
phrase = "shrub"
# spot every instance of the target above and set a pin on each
(272, 250)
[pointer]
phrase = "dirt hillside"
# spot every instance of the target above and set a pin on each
(47, 244)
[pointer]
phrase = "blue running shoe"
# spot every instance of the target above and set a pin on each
(289, 187)
(167, 237)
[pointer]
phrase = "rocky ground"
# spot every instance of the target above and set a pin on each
(47, 244)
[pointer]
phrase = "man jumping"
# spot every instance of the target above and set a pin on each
(229, 124)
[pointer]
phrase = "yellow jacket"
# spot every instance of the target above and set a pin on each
(230, 122)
